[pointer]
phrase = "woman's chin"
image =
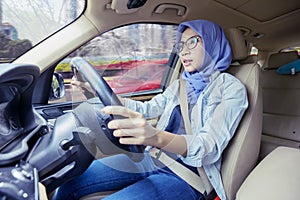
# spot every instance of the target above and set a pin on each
(190, 69)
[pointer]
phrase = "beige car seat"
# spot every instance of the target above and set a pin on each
(276, 177)
(241, 155)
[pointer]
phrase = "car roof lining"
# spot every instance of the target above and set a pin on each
(255, 15)
(259, 10)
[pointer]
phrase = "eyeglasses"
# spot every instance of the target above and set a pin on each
(190, 43)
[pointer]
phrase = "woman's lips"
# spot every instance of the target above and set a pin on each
(187, 62)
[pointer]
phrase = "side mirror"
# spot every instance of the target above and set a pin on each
(57, 89)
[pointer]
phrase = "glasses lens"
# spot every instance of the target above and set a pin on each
(192, 42)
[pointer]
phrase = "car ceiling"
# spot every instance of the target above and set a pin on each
(270, 25)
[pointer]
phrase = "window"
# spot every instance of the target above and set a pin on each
(25, 23)
(132, 59)
(254, 51)
(293, 48)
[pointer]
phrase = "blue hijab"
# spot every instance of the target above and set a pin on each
(217, 56)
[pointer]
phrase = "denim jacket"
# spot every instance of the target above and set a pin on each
(214, 119)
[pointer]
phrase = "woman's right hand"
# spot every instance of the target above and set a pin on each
(134, 129)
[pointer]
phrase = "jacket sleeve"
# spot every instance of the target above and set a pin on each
(154, 107)
(220, 116)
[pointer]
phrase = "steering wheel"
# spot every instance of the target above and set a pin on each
(107, 97)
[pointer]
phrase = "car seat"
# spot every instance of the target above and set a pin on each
(241, 155)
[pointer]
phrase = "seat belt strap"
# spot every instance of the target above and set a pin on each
(184, 107)
(180, 170)
(188, 128)
(201, 182)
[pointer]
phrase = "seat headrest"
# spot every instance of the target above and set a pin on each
(237, 42)
(278, 59)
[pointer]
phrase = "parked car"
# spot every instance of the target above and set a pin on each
(127, 48)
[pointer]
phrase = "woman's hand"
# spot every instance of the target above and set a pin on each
(82, 85)
(134, 129)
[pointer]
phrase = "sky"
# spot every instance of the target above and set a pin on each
(35, 19)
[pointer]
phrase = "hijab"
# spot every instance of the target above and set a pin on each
(217, 55)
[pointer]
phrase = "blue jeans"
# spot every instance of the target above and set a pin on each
(133, 181)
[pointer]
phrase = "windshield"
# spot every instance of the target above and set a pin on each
(24, 23)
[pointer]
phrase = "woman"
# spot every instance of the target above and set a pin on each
(217, 102)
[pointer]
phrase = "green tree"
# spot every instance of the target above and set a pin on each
(10, 49)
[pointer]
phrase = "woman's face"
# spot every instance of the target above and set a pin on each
(192, 52)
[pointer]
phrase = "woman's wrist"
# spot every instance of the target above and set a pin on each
(171, 142)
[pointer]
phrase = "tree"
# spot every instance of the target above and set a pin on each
(10, 49)
(36, 19)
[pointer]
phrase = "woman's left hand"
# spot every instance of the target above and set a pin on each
(133, 129)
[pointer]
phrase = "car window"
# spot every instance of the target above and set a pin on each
(292, 48)
(24, 23)
(133, 60)
(253, 51)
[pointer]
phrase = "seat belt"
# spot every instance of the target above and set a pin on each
(188, 129)
(180, 170)
(201, 182)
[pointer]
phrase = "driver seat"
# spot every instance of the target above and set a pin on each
(241, 154)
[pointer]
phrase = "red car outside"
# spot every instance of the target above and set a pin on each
(140, 78)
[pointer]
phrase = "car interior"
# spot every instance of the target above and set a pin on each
(261, 161)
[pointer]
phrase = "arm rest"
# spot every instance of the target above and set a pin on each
(276, 177)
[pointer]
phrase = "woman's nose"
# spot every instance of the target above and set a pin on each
(185, 52)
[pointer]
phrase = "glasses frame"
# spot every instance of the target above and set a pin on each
(180, 45)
